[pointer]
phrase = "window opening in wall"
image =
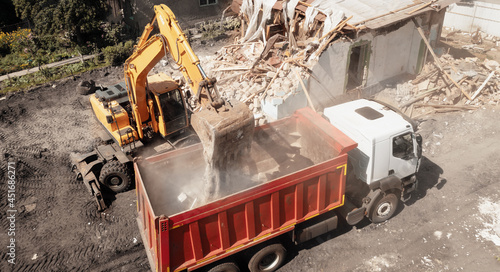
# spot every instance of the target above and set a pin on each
(358, 62)
(207, 2)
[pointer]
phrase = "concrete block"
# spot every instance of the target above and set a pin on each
(256, 103)
(270, 74)
(277, 101)
(280, 93)
(258, 115)
(288, 106)
(287, 84)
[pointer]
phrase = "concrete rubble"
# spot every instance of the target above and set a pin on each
(269, 62)
(268, 82)
(267, 75)
(472, 83)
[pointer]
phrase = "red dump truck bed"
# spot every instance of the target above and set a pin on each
(295, 172)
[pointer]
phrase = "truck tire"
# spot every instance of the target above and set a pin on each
(225, 267)
(115, 176)
(384, 208)
(267, 259)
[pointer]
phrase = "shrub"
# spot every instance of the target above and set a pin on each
(117, 54)
(17, 41)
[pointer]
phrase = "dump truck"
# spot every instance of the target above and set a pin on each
(291, 188)
(151, 113)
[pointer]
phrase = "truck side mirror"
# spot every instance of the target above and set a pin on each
(418, 138)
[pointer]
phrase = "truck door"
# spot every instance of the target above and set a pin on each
(403, 160)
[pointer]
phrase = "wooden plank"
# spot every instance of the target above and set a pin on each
(445, 106)
(421, 7)
(480, 88)
(436, 60)
(305, 90)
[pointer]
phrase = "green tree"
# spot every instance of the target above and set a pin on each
(39, 12)
(78, 19)
(81, 17)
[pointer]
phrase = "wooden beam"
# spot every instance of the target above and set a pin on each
(421, 7)
(480, 88)
(436, 60)
(445, 106)
(305, 90)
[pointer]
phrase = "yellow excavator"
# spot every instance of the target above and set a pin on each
(155, 113)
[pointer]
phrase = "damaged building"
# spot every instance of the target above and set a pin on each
(349, 48)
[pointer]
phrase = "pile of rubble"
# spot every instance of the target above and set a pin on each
(264, 74)
(462, 84)
(243, 75)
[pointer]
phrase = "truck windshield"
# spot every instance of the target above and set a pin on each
(173, 110)
(402, 146)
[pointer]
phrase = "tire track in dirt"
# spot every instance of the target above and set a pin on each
(40, 128)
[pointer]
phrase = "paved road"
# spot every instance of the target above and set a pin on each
(50, 65)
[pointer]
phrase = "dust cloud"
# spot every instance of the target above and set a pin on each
(177, 181)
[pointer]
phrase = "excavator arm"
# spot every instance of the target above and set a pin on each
(156, 104)
(225, 128)
(150, 50)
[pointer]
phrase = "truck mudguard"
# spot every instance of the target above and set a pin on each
(387, 183)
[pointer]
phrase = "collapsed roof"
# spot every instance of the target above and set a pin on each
(363, 13)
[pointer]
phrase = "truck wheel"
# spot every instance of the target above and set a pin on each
(225, 267)
(384, 208)
(115, 176)
(267, 259)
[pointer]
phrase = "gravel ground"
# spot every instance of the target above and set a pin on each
(451, 223)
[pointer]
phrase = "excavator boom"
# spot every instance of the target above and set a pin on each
(225, 128)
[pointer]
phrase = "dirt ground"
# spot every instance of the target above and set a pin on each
(446, 226)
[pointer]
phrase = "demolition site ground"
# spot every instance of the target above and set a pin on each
(450, 224)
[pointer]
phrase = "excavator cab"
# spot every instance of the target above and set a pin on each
(172, 113)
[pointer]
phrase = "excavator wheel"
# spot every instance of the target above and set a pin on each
(115, 176)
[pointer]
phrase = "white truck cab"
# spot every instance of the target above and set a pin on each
(383, 166)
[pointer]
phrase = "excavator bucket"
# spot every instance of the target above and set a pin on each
(226, 137)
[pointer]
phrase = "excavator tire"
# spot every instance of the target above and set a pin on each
(115, 176)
